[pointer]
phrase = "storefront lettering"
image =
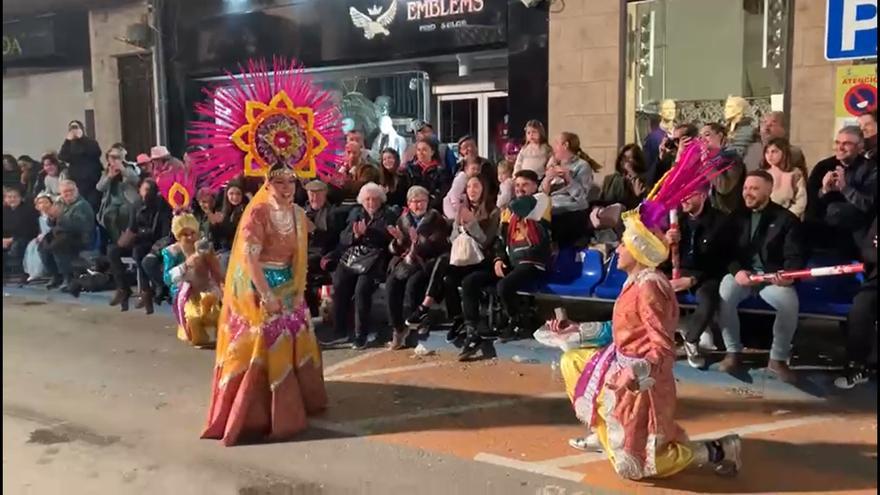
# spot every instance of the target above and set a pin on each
(431, 9)
(11, 46)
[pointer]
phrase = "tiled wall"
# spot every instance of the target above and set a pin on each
(584, 74)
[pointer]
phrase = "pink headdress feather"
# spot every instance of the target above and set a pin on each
(263, 118)
(178, 186)
(694, 170)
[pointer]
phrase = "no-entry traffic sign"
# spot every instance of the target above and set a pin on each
(860, 99)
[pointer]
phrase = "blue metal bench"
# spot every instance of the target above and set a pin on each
(575, 273)
(827, 298)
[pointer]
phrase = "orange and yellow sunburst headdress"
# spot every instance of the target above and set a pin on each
(268, 120)
(178, 186)
(694, 170)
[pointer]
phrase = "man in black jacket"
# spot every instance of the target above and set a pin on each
(704, 240)
(861, 323)
(769, 240)
(841, 195)
(323, 238)
(19, 227)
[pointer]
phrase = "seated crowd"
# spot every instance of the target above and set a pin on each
(436, 229)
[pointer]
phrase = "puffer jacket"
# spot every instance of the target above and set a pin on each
(432, 240)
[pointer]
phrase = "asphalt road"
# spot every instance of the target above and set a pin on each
(98, 402)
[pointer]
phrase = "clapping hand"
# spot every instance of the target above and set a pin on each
(465, 215)
(215, 218)
(830, 182)
(359, 228)
(395, 233)
(841, 178)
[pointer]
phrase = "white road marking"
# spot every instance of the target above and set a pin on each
(765, 427)
(530, 467)
(573, 460)
(385, 371)
(345, 363)
(587, 458)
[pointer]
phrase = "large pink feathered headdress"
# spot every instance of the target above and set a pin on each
(266, 118)
(694, 170)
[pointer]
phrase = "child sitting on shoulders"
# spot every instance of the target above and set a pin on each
(453, 198)
(505, 179)
(536, 152)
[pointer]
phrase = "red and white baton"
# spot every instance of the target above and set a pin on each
(823, 271)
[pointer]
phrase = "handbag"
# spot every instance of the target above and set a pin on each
(360, 259)
(465, 250)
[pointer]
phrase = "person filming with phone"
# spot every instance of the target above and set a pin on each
(83, 157)
(670, 149)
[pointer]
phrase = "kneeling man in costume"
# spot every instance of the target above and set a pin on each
(618, 374)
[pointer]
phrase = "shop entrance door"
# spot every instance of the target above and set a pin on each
(481, 115)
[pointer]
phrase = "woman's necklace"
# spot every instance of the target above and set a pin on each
(281, 217)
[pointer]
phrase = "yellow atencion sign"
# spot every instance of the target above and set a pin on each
(856, 93)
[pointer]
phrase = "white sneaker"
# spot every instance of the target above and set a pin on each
(851, 378)
(732, 463)
(707, 341)
(589, 443)
(695, 360)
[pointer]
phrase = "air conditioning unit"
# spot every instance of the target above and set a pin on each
(139, 35)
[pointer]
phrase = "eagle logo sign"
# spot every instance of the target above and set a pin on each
(374, 27)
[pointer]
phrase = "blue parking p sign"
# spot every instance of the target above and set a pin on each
(851, 29)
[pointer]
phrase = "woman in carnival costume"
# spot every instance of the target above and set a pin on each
(618, 374)
(191, 270)
(275, 124)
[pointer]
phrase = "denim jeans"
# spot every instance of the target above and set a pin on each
(783, 299)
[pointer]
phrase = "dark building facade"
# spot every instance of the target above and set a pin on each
(469, 66)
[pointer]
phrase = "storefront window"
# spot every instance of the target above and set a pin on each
(370, 104)
(382, 107)
(685, 57)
